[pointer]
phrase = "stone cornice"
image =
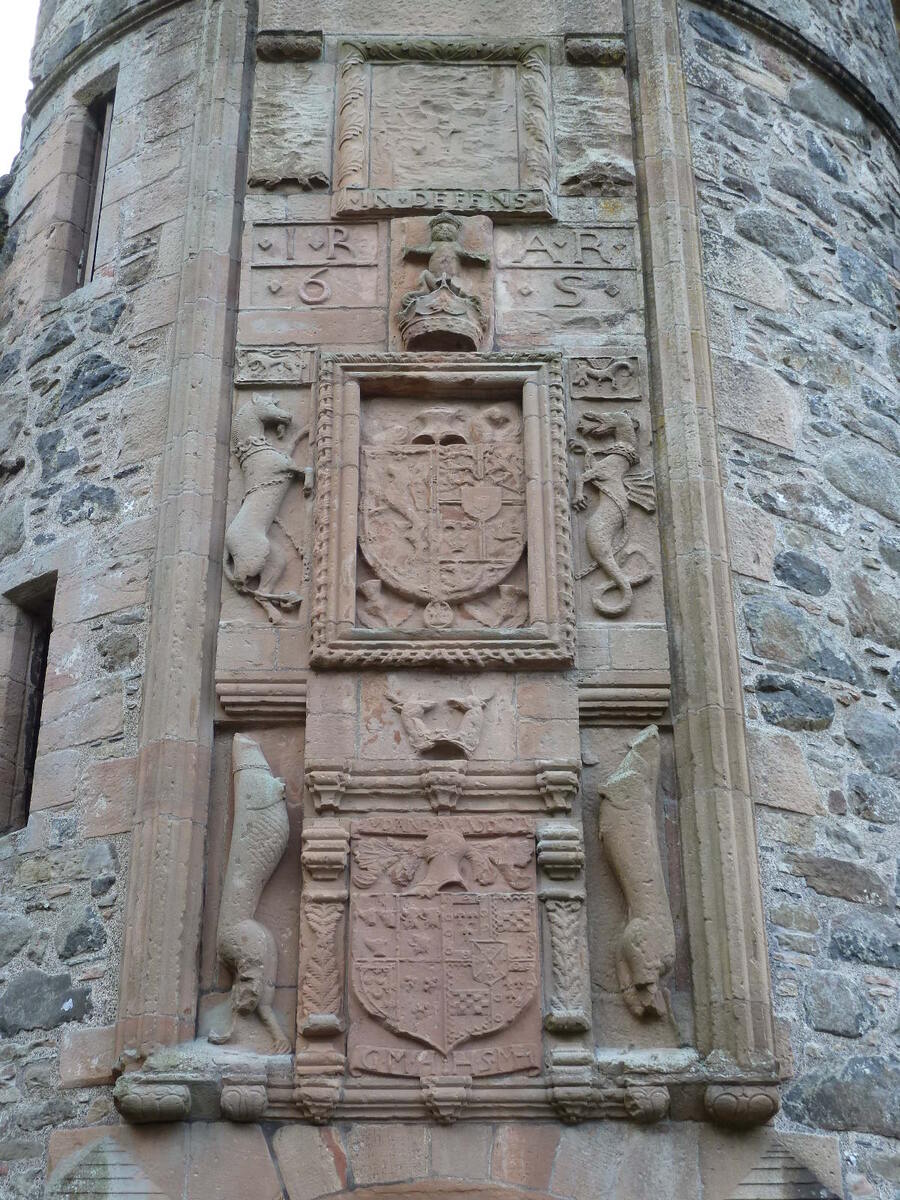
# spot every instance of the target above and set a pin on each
(784, 35)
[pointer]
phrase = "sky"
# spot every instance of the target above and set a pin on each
(19, 22)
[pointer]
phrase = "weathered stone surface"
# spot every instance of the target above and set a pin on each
(805, 502)
(776, 232)
(783, 633)
(12, 527)
(88, 501)
(54, 454)
(44, 1114)
(93, 376)
(793, 705)
(866, 475)
(867, 938)
(841, 877)
(57, 337)
(9, 364)
(105, 317)
(35, 1000)
(874, 612)
(15, 930)
(754, 400)
(779, 776)
(866, 281)
(834, 1005)
(119, 648)
(751, 536)
(874, 798)
(82, 933)
(876, 738)
(803, 186)
(862, 1093)
(803, 573)
(714, 29)
(311, 1161)
(889, 549)
(818, 99)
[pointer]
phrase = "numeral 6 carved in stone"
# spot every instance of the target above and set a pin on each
(322, 290)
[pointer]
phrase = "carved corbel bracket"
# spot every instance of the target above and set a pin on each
(443, 786)
(445, 1095)
(318, 1083)
(741, 1106)
(327, 784)
(326, 847)
(558, 785)
(244, 1096)
(560, 857)
(646, 1103)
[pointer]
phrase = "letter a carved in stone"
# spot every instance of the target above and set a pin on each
(258, 841)
(646, 947)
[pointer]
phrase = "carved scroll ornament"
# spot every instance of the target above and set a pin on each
(646, 946)
(258, 841)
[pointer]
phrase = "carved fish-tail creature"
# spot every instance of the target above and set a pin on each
(268, 472)
(258, 841)
(646, 948)
(606, 532)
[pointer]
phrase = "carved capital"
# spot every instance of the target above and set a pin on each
(741, 1106)
(445, 1095)
(560, 850)
(558, 785)
(326, 846)
(317, 1097)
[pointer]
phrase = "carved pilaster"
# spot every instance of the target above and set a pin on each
(324, 861)
(560, 856)
(572, 1089)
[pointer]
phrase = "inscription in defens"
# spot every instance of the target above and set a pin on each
(397, 201)
(329, 266)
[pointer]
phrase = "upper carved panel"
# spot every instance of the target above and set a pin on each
(427, 124)
(442, 522)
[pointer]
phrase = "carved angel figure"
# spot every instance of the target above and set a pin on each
(609, 470)
(258, 841)
(646, 947)
(449, 860)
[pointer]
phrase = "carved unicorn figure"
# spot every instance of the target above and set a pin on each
(608, 470)
(646, 946)
(258, 840)
(250, 554)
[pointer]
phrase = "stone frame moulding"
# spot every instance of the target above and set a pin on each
(535, 195)
(549, 639)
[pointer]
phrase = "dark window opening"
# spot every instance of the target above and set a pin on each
(100, 113)
(28, 618)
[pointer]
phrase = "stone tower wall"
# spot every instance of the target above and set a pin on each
(115, 415)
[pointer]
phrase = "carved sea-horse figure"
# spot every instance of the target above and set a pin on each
(608, 468)
(646, 946)
(258, 840)
(250, 553)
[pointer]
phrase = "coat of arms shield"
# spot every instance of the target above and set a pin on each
(442, 523)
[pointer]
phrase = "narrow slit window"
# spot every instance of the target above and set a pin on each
(100, 114)
(27, 619)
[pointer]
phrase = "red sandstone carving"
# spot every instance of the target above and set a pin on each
(606, 532)
(258, 840)
(646, 948)
(440, 741)
(440, 313)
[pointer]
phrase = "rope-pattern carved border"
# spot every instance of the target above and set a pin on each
(531, 59)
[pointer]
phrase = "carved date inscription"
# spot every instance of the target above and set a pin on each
(329, 266)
